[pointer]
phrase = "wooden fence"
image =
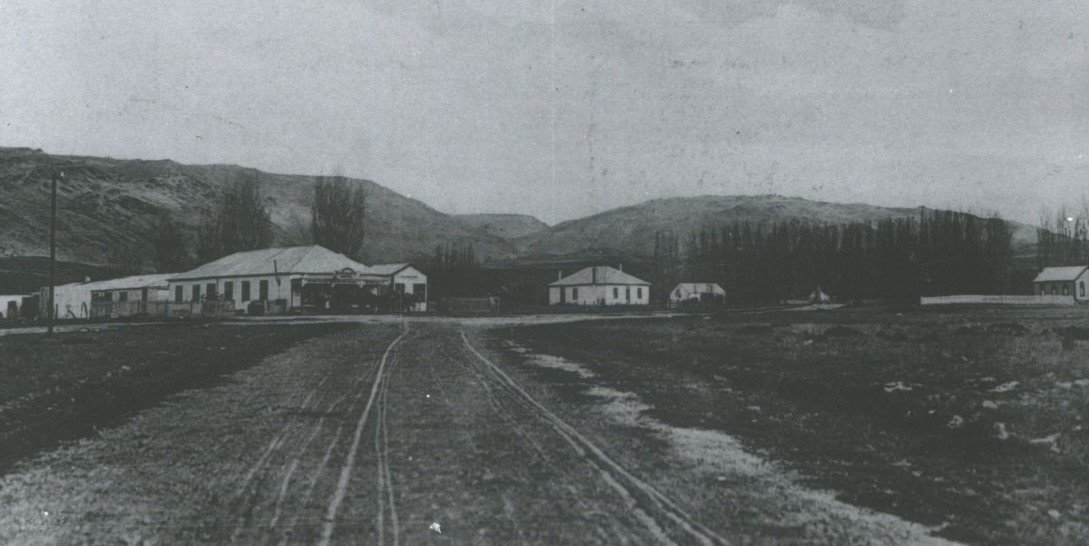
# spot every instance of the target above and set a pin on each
(1045, 299)
(160, 309)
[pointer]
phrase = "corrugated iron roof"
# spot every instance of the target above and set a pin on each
(605, 275)
(700, 288)
(385, 269)
(124, 283)
(133, 283)
(312, 259)
(1060, 274)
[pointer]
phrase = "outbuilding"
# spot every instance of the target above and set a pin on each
(406, 281)
(1063, 281)
(689, 293)
(129, 296)
(76, 300)
(599, 285)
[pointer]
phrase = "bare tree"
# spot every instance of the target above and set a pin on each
(240, 222)
(337, 215)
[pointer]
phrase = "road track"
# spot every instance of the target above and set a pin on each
(459, 435)
(627, 485)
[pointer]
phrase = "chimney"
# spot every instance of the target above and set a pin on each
(620, 267)
(559, 274)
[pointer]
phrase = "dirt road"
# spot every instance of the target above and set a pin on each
(413, 433)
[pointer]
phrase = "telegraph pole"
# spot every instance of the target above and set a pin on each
(52, 247)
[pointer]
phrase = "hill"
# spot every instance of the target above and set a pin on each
(507, 226)
(108, 206)
(629, 231)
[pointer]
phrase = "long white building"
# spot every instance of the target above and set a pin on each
(296, 277)
(74, 300)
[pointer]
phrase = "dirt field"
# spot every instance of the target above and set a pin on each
(422, 432)
(969, 421)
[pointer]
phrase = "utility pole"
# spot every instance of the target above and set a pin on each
(52, 247)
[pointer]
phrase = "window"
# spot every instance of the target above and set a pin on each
(616, 292)
(179, 294)
(211, 290)
(228, 290)
(196, 292)
(263, 289)
(639, 292)
(1081, 289)
(399, 287)
(245, 290)
(1053, 289)
(419, 288)
(627, 293)
(123, 296)
(574, 293)
(1066, 289)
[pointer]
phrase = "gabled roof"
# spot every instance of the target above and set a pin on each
(295, 260)
(386, 269)
(699, 288)
(133, 283)
(1060, 274)
(604, 275)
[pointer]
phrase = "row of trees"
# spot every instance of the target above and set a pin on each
(1062, 237)
(896, 259)
(455, 270)
(241, 221)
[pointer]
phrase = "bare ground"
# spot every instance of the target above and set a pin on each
(374, 434)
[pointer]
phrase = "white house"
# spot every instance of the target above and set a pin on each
(599, 285)
(1063, 281)
(697, 292)
(406, 280)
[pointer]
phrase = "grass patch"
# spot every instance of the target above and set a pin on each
(64, 388)
(969, 421)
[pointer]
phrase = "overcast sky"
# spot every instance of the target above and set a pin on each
(566, 109)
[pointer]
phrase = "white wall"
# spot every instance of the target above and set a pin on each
(70, 301)
(281, 290)
(410, 276)
(1073, 288)
(609, 294)
(153, 294)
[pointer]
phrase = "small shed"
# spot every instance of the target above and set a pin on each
(1063, 281)
(697, 292)
(818, 296)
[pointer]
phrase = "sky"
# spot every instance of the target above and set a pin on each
(564, 109)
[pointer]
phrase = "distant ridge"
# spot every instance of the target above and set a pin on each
(630, 230)
(109, 205)
(507, 226)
